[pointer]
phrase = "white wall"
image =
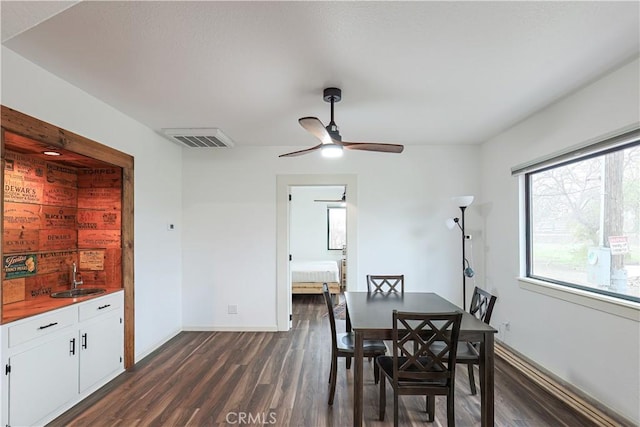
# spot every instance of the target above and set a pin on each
(157, 185)
(229, 217)
(596, 351)
(308, 222)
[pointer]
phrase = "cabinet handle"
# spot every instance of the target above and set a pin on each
(48, 326)
(104, 306)
(72, 350)
(84, 340)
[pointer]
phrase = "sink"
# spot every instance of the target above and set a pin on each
(78, 292)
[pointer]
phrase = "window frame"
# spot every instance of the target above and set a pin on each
(549, 164)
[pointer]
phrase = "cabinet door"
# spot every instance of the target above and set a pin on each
(43, 379)
(101, 349)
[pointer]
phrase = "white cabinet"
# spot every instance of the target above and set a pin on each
(101, 342)
(54, 360)
(43, 379)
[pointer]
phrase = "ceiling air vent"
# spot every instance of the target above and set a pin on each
(199, 137)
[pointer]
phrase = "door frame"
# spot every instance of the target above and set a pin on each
(283, 275)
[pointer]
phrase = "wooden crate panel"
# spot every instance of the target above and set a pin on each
(28, 168)
(62, 175)
(113, 257)
(58, 217)
(58, 261)
(57, 195)
(98, 220)
(44, 284)
(17, 190)
(100, 198)
(58, 239)
(20, 216)
(100, 178)
(92, 260)
(20, 241)
(13, 290)
(20, 265)
(110, 277)
(95, 239)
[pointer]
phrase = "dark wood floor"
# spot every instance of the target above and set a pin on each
(242, 378)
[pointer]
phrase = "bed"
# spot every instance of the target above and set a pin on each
(307, 277)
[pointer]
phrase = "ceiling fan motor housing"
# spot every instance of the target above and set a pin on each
(332, 94)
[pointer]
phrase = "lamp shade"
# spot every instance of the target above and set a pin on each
(462, 201)
(451, 223)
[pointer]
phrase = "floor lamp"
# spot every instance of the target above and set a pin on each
(462, 202)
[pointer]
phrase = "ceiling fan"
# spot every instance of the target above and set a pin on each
(331, 141)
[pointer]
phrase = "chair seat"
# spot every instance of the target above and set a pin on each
(346, 343)
(386, 364)
(465, 352)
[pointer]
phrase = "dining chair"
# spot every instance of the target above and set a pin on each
(468, 353)
(385, 283)
(342, 345)
(414, 368)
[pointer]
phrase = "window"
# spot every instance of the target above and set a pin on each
(583, 220)
(337, 228)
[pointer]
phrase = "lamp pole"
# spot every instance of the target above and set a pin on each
(462, 202)
(464, 279)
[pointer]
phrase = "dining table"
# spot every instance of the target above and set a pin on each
(369, 316)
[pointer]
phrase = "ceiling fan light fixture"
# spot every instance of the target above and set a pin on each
(331, 150)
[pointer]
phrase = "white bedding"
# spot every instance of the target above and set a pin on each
(315, 271)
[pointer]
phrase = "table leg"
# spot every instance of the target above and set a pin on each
(357, 380)
(487, 370)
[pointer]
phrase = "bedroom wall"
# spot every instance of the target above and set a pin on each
(157, 186)
(596, 351)
(401, 224)
(308, 224)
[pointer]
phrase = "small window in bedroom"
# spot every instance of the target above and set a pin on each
(337, 228)
(583, 220)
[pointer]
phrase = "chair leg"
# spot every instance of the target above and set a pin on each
(472, 381)
(431, 408)
(382, 404)
(348, 363)
(332, 379)
(451, 416)
(376, 372)
(333, 366)
(395, 409)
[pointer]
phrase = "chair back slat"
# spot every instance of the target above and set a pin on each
(332, 318)
(482, 304)
(413, 358)
(385, 283)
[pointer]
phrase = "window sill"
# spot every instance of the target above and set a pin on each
(626, 309)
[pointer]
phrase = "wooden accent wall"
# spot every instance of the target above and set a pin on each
(55, 215)
(42, 199)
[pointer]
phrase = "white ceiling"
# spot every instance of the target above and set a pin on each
(411, 72)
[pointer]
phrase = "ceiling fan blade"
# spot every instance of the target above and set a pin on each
(374, 146)
(315, 127)
(301, 152)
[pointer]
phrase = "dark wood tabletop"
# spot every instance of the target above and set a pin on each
(369, 316)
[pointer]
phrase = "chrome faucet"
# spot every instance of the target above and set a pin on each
(74, 276)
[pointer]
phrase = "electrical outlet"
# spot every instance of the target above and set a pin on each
(468, 237)
(232, 309)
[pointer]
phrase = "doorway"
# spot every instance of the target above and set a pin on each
(283, 249)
